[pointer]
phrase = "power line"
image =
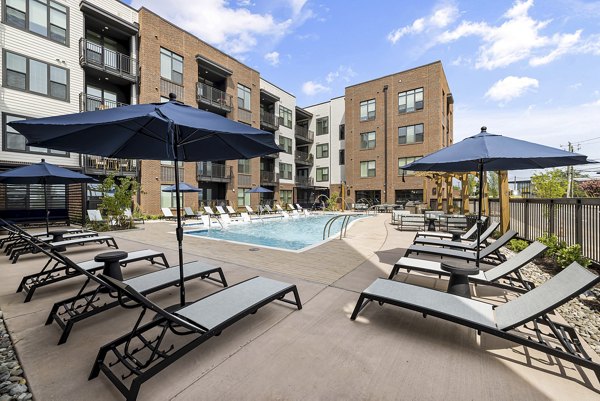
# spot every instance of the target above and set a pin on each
(586, 140)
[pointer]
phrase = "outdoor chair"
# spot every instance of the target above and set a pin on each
(245, 217)
(448, 243)
(279, 209)
(299, 207)
(188, 212)
(290, 206)
(148, 349)
(531, 309)
(490, 253)
(167, 213)
(268, 209)
(507, 271)
(20, 243)
(220, 210)
(90, 301)
(15, 233)
(466, 236)
(208, 210)
(95, 216)
(232, 211)
(55, 270)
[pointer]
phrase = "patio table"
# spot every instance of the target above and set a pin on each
(456, 235)
(458, 283)
(57, 236)
(112, 267)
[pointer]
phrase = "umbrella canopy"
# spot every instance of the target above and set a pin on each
(258, 190)
(183, 187)
(156, 131)
(43, 173)
(492, 152)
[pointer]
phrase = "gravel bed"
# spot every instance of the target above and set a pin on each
(13, 385)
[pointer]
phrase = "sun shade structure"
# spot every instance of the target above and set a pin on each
(155, 131)
(43, 173)
(258, 190)
(492, 152)
(183, 187)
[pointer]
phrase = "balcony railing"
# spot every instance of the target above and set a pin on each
(98, 165)
(268, 178)
(213, 172)
(91, 103)
(244, 180)
(167, 173)
(303, 158)
(303, 133)
(168, 87)
(99, 57)
(214, 97)
(304, 181)
(269, 120)
(244, 116)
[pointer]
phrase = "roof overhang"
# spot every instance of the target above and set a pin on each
(213, 67)
(268, 96)
(98, 13)
(303, 113)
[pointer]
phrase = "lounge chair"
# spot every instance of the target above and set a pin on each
(505, 271)
(448, 243)
(268, 209)
(208, 210)
(299, 207)
(490, 253)
(205, 220)
(95, 216)
(232, 211)
(147, 349)
(55, 270)
(89, 301)
(503, 320)
(278, 208)
(128, 214)
(167, 213)
(245, 217)
(441, 235)
(225, 219)
(290, 206)
(220, 210)
(188, 212)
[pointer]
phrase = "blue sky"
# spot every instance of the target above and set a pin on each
(526, 69)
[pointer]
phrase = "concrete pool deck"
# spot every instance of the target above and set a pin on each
(316, 353)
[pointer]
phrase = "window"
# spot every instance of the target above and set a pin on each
(244, 166)
(322, 174)
(169, 199)
(285, 115)
(323, 151)
(410, 134)
(171, 66)
(285, 144)
(31, 196)
(367, 110)
(410, 100)
(243, 97)
(13, 141)
(342, 157)
(26, 74)
(367, 169)
(367, 140)
(243, 196)
(285, 170)
(342, 132)
(403, 161)
(323, 126)
(285, 197)
(41, 17)
(170, 163)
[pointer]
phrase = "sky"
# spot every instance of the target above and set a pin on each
(526, 69)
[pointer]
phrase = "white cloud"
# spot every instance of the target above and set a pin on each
(442, 16)
(272, 58)
(312, 88)
(234, 30)
(245, 3)
(511, 87)
(343, 73)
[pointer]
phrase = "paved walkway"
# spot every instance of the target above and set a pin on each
(317, 353)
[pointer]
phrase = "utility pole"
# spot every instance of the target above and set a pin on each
(570, 175)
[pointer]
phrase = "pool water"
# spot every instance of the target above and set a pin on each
(289, 234)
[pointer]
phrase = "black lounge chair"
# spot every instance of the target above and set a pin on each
(144, 352)
(489, 254)
(18, 244)
(507, 271)
(89, 301)
(503, 320)
(469, 234)
(446, 243)
(55, 270)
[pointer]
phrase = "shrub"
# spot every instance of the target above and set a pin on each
(567, 255)
(517, 245)
(553, 244)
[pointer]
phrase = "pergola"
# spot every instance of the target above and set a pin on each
(440, 178)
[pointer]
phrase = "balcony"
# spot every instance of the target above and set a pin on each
(269, 178)
(244, 180)
(303, 158)
(98, 165)
(304, 182)
(167, 174)
(213, 97)
(91, 103)
(213, 172)
(269, 121)
(303, 134)
(244, 116)
(100, 58)
(167, 87)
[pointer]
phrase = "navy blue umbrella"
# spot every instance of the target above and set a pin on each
(183, 187)
(43, 173)
(259, 190)
(492, 152)
(156, 131)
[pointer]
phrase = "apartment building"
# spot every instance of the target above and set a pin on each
(60, 57)
(379, 126)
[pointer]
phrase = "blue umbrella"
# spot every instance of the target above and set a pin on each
(156, 131)
(492, 152)
(43, 173)
(259, 190)
(183, 187)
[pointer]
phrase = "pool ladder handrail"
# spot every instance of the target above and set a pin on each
(343, 229)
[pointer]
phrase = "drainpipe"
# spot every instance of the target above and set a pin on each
(385, 143)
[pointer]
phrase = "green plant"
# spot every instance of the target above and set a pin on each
(517, 245)
(332, 201)
(553, 244)
(569, 254)
(116, 197)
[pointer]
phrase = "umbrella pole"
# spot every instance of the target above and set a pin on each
(179, 230)
(479, 211)
(47, 212)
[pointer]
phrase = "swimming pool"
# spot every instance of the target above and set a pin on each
(288, 234)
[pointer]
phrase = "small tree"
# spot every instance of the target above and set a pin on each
(493, 185)
(116, 197)
(591, 188)
(332, 201)
(552, 184)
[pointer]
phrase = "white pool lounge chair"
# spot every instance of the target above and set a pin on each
(231, 211)
(300, 208)
(220, 210)
(167, 214)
